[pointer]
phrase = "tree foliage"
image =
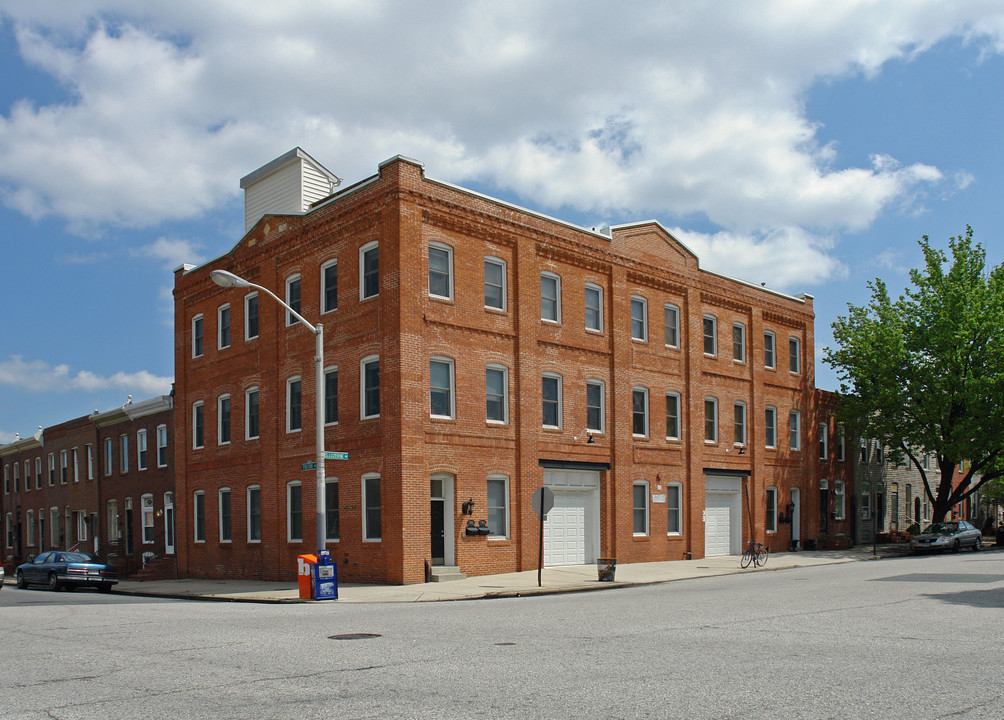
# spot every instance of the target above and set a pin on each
(924, 373)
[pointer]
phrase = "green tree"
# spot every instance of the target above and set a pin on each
(925, 373)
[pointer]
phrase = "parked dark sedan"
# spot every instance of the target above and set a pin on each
(947, 536)
(60, 568)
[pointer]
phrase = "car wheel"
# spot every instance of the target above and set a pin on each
(20, 580)
(978, 544)
(53, 581)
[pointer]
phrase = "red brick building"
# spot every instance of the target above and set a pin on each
(474, 352)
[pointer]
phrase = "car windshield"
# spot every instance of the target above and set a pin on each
(73, 557)
(941, 528)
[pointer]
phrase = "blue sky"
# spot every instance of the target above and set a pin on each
(807, 145)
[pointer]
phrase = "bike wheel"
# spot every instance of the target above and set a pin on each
(747, 558)
(761, 554)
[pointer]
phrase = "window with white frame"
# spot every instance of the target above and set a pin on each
(639, 318)
(739, 424)
(223, 419)
(80, 520)
(674, 509)
(440, 271)
(38, 469)
(226, 524)
(123, 453)
(64, 466)
(770, 427)
(497, 394)
(595, 406)
(550, 297)
(147, 518)
(841, 443)
(293, 298)
(369, 271)
(863, 457)
(551, 400)
(197, 348)
(141, 450)
(10, 530)
(331, 529)
(371, 508)
(866, 501)
(639, 494)
(497, 509)
(223, 326)
(162, 446)
(199, 516)
(294, 396)
(769, 350)
(672, 325)
(6, 479)
(710, 335)
(441, 387)
(639, 412)
(108, 460)
(251, 316)
(76, 468)
(252, 424)
(794, 355)
(17, 477)
(795, 430)
(369, 387)
(198, 425)
(673, 416)
(824, 441)
(331, 396)
(329, 286)
(594, 307)
(254, 513)
(495, 283)
(738, 342)
(710, 420)
(27, 474)
(770, 519)
(839, 497)
(294, 512)
(111, 520)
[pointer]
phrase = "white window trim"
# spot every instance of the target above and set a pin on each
(824, 441)
(123, 452)
(219, 419)
(560, 409)
(679, 509)
(795, 416)
(142, 445)
(365, 508)
(289, 511)
(195, 516)
(505, 393)
(557, 300)
(603, 406)
(219, 514)
(745, 426)
(505, 480)
(195, 406)
(638, 299)
(599, 317)
(842, 444)
(675, 326)
(247, 413)
(196, 320)
(714, 440)
(647, 508)
(505, 292)
(362, 386)
(798, 356)
(679, 417)
(152, 515)
(247, 513)
(449, 270)
(742, 344)
(771, 498)
(289, 407)
(75, 453)
(714, 335)
(840, 500)
(772, 426)
(219, 326)
(773, 350)
(323, 299)
(247, 327)
(159, 464)
(362, 280)
(290, 318)
(644, 392)
(451, 389)
(327, 371)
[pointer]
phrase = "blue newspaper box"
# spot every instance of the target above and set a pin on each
(325, 577)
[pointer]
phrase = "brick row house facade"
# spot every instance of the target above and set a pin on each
(474, 352)
(102, 483)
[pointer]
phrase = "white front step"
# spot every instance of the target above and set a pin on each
(445, 573)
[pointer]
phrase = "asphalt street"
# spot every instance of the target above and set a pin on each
(899, 638)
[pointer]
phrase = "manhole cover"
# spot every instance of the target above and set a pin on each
(354, 636)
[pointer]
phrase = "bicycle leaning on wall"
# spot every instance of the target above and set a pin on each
(756, 554)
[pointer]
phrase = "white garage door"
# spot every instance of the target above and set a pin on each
(718, 524)
(570, 531)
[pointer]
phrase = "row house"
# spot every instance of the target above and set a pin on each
(97, 483)
(476, 351)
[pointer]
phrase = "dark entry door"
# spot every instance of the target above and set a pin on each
(438, 532)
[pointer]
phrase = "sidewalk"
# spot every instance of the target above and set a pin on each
(573, 578)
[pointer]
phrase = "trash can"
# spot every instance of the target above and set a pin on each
(304, 575)
(605, 569)
(325, 578)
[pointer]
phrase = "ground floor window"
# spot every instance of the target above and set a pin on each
(371, 508)
(498, 506)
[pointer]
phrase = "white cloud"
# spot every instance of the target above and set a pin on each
(637, 109)
(40, 376)
(172, 251)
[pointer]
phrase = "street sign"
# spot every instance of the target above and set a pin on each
(309, 465)
(543, 500)
(330, 455)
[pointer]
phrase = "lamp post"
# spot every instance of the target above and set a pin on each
(229, 280)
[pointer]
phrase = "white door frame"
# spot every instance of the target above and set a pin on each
(168, 522)
(733, 487)
(796, 515)
(586, 482)
(449, 510)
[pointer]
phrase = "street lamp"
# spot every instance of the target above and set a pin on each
(229, 280)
